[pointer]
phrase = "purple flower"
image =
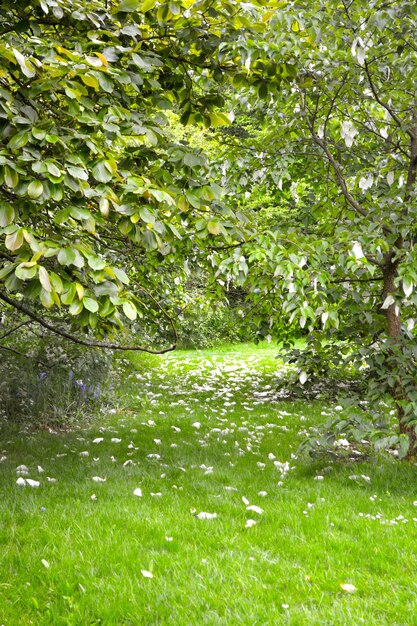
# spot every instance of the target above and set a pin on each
(42, 375)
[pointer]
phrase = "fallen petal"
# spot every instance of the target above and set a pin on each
(204, 515)
(255, 509)
(250, 523)
(32, 483)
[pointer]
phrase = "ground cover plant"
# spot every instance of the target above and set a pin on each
(189, 505)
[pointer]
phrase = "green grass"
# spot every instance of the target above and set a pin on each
(312, 537)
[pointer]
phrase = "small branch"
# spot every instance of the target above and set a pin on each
(13, 330)
(24, 356)
(84, 342)
(357, 280)
(385, 106)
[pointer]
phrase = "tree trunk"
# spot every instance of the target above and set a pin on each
(394, 333)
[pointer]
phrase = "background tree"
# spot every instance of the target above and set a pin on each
(339, 144)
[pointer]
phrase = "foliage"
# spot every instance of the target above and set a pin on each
(356, 434)
(340, 138)
(45, 382)
(97, 201)
(322, 369)
(210, 326)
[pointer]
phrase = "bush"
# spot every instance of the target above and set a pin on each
(50, 382)
(206, 327)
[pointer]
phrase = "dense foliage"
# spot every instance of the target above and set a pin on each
(306, 202)
(97, 202)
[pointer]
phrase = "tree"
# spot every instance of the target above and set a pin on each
(98, 205)
(339, 145)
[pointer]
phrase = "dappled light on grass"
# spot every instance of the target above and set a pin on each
(198, 488)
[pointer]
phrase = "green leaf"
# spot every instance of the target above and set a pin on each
(26, 271)
(35, 189)
(75, 308)
(121, 275)
(213, 228)
(128, 6)
(66, 256)
(19, 140)
(130, 311)
(101, 172)
(90, 81)
(53, 170)
(147, 5)
(7, 214)
(146, 215)
(46, 298)
(56, 282)
(15, 240)
(11, 177)
(90, 304)
(78, 213)
(77, 172)
(44, 279)
(96, 263)
(6, 270)
(68, 295)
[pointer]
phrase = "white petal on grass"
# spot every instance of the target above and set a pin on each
(204, 515)
(245, 501)
(32, 483)
(197, 425)
(93, 497)
(22, 470)
(21, 482)
(318, 477)
(263, 494)
(98, 479)
(115, 440)
(250, 523)
(168, 538)
(146, 574)
(255, 509)
(45, 563)
(85, 453)
(98, 439)
(51, 480)
(158, 494)
(40, 470)
(138, 492)
(348, 587)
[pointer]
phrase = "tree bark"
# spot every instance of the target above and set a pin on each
(394, 333)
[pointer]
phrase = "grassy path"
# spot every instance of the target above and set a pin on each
(203, 433)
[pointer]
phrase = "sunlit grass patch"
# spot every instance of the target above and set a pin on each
(229, 526)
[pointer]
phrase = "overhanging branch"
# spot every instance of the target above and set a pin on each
(85, 342)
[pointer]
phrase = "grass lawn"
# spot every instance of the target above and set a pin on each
(203, 432)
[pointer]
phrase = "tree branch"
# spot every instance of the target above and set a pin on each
(13, 330)
(84, 342)
(385, 106)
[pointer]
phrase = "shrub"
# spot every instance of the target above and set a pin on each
(44, 381)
